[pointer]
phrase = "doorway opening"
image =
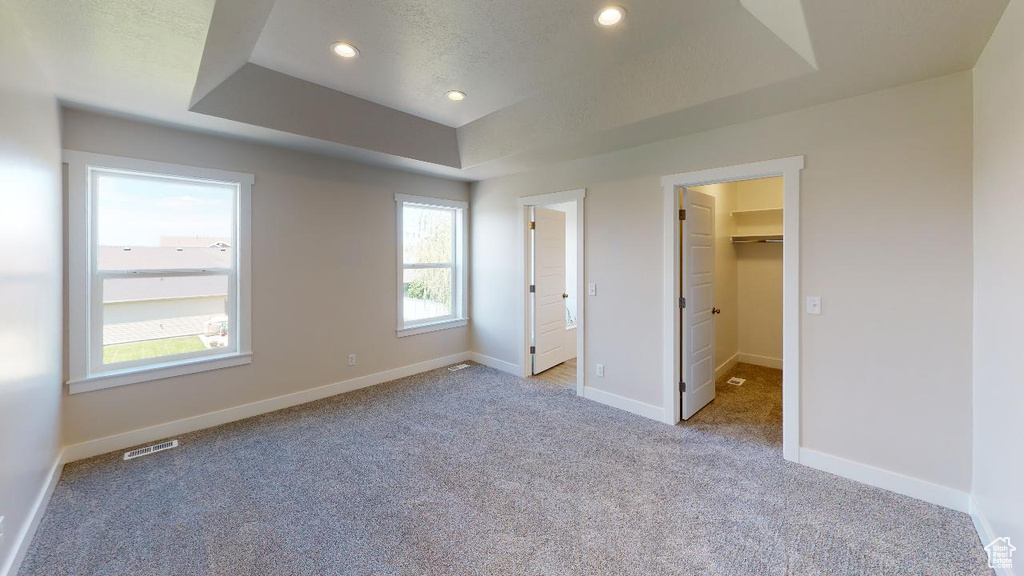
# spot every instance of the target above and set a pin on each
(744, 328)
(553, 283)
(732, 277)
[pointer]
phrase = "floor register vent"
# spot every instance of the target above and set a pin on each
(458, 367)
(150, 449)
(737, 381)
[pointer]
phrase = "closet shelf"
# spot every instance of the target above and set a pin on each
(758, 239)
(757, 211)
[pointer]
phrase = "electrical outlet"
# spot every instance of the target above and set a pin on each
(592, 289)
(814, 305)
(351, 359)
(600, 370)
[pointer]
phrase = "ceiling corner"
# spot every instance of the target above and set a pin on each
(234, 30)
(785, 18)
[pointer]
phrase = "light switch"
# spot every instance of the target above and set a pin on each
(814, 305)
(592, 289)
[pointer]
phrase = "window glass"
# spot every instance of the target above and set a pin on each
(427, 293)
(157, 316)
(427, 234)
(431, 275)
(150, 222)
(163, 255)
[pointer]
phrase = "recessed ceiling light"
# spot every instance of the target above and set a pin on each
(610, 16)
(456, 95)
(345, 50)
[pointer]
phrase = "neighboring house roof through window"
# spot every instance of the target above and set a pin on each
(195, 241)
(161, 258)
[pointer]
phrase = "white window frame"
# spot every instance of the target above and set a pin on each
(85, 307)
(460, 280)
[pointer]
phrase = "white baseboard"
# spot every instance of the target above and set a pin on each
(892, 481)
(727, 365)
(495, 363)
(766, 361)
(24, 536)
(623, 403)
(124, 440)
(985, 532)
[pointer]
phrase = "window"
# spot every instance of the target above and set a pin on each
(431, 270)
(158, 270)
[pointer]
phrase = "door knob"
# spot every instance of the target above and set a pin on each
(716, 311)
(565, 296)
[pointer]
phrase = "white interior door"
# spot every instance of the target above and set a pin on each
(698, 281)
(548, 320)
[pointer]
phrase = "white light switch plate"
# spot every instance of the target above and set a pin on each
(814, 305)
(592, 289)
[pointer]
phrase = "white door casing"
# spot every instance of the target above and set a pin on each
(790, 169)
(548, 321)
(698, 265)
(524, 266)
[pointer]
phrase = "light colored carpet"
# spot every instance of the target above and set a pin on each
(481, 472)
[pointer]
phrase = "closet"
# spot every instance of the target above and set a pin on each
(748, 272)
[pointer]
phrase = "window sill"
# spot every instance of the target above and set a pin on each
(434, 327)
(157, 372)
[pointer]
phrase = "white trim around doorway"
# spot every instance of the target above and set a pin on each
(525, 203)
(789, 169)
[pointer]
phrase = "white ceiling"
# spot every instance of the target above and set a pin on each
(497, 51)
(134, 56)
(544, 83)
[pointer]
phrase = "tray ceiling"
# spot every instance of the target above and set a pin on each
(543, 82)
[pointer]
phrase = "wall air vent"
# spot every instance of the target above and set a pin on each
(150, 449)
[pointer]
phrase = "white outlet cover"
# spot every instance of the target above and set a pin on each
(814, 305)
(351, 359)
(592, 289)
(600, 370)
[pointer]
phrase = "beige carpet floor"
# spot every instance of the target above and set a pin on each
(481, 472)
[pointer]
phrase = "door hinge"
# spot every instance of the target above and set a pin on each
(533, 349)
(533, 225)
(682, 214)
(682, 302)
(682, 386)
(533, 288)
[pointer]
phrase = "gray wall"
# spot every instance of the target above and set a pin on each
(324, 276)
(30, 283)
(886, 243)
(999, 279)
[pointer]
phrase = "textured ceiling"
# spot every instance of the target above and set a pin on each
(498, 51)
(544, 83)
(858, 47)
(118, 54)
